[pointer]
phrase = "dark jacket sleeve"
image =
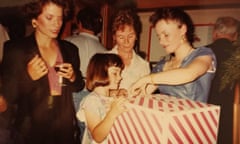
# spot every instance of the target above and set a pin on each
(11, 67)
(15, 78)
(70, 54)
(10, 75)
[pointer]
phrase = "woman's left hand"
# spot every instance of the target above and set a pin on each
(67, 71)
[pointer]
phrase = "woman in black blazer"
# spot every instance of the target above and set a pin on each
(43, 109)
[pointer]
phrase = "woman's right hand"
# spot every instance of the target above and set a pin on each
(37, 68)
(139, 87)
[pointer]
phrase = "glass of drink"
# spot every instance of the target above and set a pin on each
(58, 66)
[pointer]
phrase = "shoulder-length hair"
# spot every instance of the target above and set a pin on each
(97, 71)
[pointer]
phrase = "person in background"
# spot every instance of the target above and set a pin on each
(42, 96)
(15, 25)
(99, 109)
(3, 37)
(125, 28)
(4, 121)
(186, 72)
(225, 33)
(69, 26)
(89, 23)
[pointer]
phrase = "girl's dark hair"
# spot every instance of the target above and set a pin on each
(34, 9)
(177, 15)
(97, 71)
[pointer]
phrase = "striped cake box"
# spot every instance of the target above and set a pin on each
(161, 119)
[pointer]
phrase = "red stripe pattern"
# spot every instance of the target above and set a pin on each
(161, 119)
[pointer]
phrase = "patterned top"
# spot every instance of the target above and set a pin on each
(99, 106)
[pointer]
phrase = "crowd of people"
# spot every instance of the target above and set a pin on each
(51, 85)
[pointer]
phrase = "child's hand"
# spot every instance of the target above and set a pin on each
(118, 106)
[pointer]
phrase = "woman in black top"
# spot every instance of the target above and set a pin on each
(44, 111)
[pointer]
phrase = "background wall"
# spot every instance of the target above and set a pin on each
(8, 3)
(150, 44)
(148, 40)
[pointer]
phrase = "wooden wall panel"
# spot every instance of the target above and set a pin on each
(151, 4)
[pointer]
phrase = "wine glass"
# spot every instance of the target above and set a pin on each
(58, 66)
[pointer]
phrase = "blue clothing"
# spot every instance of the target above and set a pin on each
(196, 90)
(78, 96)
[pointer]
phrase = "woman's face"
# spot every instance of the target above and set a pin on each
(169, 34)
(114, 74)
(125, 38)
(49, 22)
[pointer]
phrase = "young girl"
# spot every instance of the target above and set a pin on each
(99, 109)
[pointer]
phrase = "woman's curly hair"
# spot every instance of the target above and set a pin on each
(34, 9)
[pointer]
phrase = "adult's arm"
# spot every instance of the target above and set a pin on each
(195, 69)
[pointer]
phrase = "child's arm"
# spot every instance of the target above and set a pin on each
(100, 128)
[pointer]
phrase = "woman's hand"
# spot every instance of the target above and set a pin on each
(67, 71)
(37, 68)
(139, 87)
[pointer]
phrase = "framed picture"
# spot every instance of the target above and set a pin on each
(203, 36)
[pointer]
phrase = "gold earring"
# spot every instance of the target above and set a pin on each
(34, 24)
(183, 39)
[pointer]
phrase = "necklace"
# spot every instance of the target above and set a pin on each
(174, 63)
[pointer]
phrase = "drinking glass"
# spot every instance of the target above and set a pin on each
(58, 67)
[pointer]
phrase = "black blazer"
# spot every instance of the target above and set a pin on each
(39, 117)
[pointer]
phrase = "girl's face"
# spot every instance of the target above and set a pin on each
(114, 74)
(169, 34)
(125, 38)
(49, 22)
